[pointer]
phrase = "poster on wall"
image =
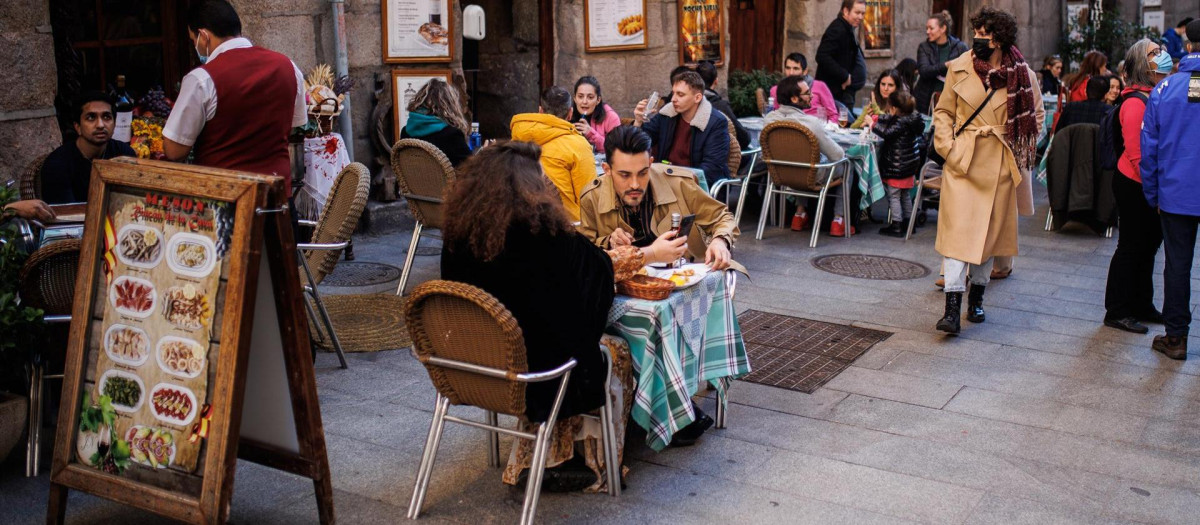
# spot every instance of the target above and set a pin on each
(405, 85)
(614, 25)
(417, 31)
(877, 26)
(1154, 19)
(701, 31)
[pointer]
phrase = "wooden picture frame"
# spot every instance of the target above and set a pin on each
(253, 233)
(405, 41)
(692, 27)
(619, 21)
(404, 80)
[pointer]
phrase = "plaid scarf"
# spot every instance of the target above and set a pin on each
(1021, 130)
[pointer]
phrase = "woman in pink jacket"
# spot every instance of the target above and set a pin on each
(592, 117)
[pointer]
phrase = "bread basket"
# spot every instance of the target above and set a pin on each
(646, 287)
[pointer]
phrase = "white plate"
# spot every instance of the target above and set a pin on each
(119, 359)
(158, 355)
(130, 228)
(112, 297)
(699, 270)
(168, 419)
(419, 40)
(126, 375)
(210, 251)
(636, 37)
(170, 456)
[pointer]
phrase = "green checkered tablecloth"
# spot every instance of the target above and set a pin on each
(866, 170)
(677, 345)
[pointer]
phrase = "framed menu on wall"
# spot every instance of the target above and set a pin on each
(701, 31)
(416, 31)
(614, 25)
(877, 27)
(405, 85)
(175, 261)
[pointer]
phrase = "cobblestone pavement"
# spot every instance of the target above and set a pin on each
(1040, 414)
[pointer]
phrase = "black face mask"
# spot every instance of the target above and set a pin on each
(981, 49)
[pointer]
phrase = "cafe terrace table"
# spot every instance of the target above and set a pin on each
(863, 156)
(678, 344)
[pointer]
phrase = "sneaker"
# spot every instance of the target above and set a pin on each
(799, 221)
(837, 228)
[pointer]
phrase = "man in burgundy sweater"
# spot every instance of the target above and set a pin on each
(237, 109)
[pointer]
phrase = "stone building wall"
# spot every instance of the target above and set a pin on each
(28, 128)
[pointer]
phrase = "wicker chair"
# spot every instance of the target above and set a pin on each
(760, 99)
(47, 282)
(475, 355)
(423, 173)
(793, 164)
(735, 149)
(31, 180)
(339, 217)
(627, 121)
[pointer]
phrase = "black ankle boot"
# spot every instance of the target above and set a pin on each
(895, 229)
(975, 304)
(950, 323)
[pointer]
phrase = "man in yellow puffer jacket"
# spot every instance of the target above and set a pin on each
(567, 156)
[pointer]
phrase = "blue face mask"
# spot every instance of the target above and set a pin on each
(1163, 63)
(203, 57)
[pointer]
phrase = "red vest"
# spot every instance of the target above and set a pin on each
(256, 95)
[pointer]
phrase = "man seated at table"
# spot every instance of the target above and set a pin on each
(567, 156)
(1087, 111)
(67, 171)
(796, 64)
(688, 132)
(794, 98)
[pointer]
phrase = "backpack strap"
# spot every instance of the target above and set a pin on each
(976, 113)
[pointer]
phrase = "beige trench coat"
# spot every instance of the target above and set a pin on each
(982, 189)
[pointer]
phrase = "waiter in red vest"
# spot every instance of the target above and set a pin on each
(237, 109)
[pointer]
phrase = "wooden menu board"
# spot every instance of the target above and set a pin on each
(171, 276)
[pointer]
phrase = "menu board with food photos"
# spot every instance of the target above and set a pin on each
(614, 25)
(171, 274)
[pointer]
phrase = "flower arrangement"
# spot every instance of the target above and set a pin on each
(147, 138)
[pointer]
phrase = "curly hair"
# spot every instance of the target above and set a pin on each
(499, 188)
(998, 23)
(441, 100)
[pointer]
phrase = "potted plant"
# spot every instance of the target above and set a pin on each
(20, 329)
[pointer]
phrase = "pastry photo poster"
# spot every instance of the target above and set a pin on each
(615, 25)
(417, 30)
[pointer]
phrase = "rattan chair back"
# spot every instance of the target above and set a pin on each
(760, 100)
(343, 207)
(791, 141)
(627, 121)
(30, 184)
(423, 173)
(47, 279)
(735, 149)
(460, 322)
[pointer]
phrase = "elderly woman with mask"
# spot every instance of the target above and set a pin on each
(988, 156)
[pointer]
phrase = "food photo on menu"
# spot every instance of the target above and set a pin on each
(146, 403)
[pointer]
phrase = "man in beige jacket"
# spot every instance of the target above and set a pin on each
(632, 203)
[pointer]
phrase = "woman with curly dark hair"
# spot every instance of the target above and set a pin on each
(988, 155)
(507, 232)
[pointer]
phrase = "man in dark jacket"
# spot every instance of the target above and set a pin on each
(708, 72)
(1090, 111)
(687, 132)
(67, 171)
(840, 61)
(938, 49)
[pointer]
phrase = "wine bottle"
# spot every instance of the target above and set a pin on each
(123, 108)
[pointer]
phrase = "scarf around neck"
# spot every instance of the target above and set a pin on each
(1021, 129)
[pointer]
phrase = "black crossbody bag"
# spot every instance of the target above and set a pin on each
(933, 154)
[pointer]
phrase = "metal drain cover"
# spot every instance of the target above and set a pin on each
(875, 267)
(355, 273)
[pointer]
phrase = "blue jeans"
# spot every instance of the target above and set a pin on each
(1179, 242)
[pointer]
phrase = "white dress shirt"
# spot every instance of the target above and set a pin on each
(197, 100)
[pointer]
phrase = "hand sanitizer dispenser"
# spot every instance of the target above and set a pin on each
(474, 23)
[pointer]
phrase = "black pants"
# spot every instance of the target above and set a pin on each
(1130, 289)
(1179, 232)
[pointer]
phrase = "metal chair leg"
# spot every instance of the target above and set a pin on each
(737, 215)
(1108, 232)
(847, 182)
(32, 450)
(533, 485)
(1049, 219)
(766, 209)
(408, 258)
(912, 220)
(493, 440)
(722, 405)
(429, 456)
(820, 212)
(337, 345)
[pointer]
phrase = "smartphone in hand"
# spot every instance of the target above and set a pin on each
(685, 226)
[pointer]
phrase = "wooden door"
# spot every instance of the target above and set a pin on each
(756, 35)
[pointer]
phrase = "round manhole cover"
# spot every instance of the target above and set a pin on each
(355, 273)
(870, 267)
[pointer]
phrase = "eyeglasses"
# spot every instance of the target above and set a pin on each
(1154, 54)
(806, 93)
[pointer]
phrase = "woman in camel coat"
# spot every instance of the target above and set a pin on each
(985, 179)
